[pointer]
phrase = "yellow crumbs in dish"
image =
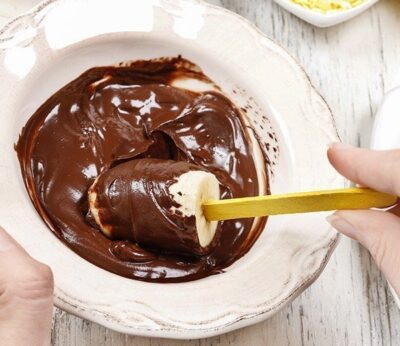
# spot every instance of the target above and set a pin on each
(328, 5)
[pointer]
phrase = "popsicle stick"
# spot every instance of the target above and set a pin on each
(303, 202)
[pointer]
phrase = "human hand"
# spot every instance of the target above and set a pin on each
(378, 231)
(26, 296)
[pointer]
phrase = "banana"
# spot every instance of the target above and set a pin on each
(94, 209)
(156, 204)
(190, 191)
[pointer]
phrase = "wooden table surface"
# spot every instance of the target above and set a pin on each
(352, 65)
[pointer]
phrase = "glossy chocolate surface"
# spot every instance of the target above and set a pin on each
(111, 115)
(132, 201)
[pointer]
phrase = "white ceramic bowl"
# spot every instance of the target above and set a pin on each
(46, 48)
(386, 133)
(324, 20)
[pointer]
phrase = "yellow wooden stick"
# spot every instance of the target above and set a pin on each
(303, 202)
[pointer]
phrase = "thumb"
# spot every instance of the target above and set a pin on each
(379, 232)
(26, 296)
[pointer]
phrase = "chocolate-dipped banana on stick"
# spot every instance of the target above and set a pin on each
(157, 204)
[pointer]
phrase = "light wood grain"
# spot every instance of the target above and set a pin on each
(352, 65)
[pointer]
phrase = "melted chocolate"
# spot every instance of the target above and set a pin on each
(111, 115)
(133, 202)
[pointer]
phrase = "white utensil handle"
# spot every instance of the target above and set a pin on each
(386, 132)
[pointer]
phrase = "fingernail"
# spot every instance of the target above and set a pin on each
(6, 242)
(340, 146)
(342, 226)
